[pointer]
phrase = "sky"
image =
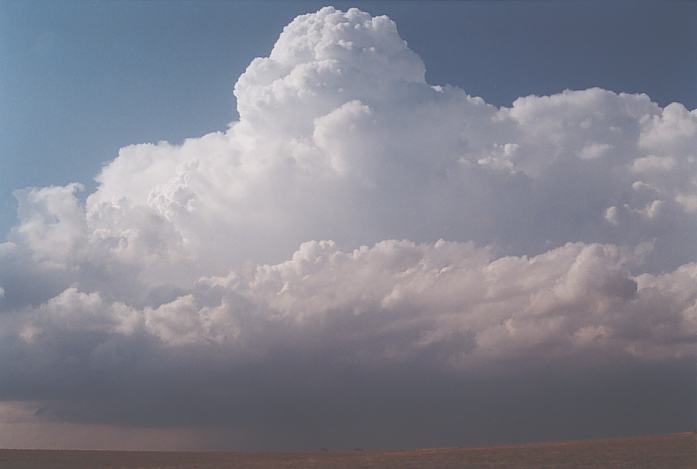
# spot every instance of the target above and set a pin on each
(273, 225)
(96, 76)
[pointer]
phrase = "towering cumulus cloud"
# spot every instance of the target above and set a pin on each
(366, 258)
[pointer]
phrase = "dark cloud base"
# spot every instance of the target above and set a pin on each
(281, 405)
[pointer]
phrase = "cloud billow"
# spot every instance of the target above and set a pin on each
(283, 262)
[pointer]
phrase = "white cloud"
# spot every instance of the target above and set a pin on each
(653, 163)
(51, 223)
(454, 297)
(193, 248)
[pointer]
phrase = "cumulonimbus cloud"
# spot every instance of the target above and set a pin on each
(570, 222)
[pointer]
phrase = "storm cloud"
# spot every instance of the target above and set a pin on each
(364, 258)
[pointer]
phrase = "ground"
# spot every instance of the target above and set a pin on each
(677, 450)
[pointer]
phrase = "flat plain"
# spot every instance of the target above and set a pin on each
(677, 450)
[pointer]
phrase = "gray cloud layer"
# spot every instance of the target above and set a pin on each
(187, 291)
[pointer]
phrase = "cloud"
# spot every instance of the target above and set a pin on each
(194, 277)
(453, 298)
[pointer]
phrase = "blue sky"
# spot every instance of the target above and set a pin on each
(81, 79)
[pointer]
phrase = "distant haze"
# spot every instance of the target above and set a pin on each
(362, 259)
